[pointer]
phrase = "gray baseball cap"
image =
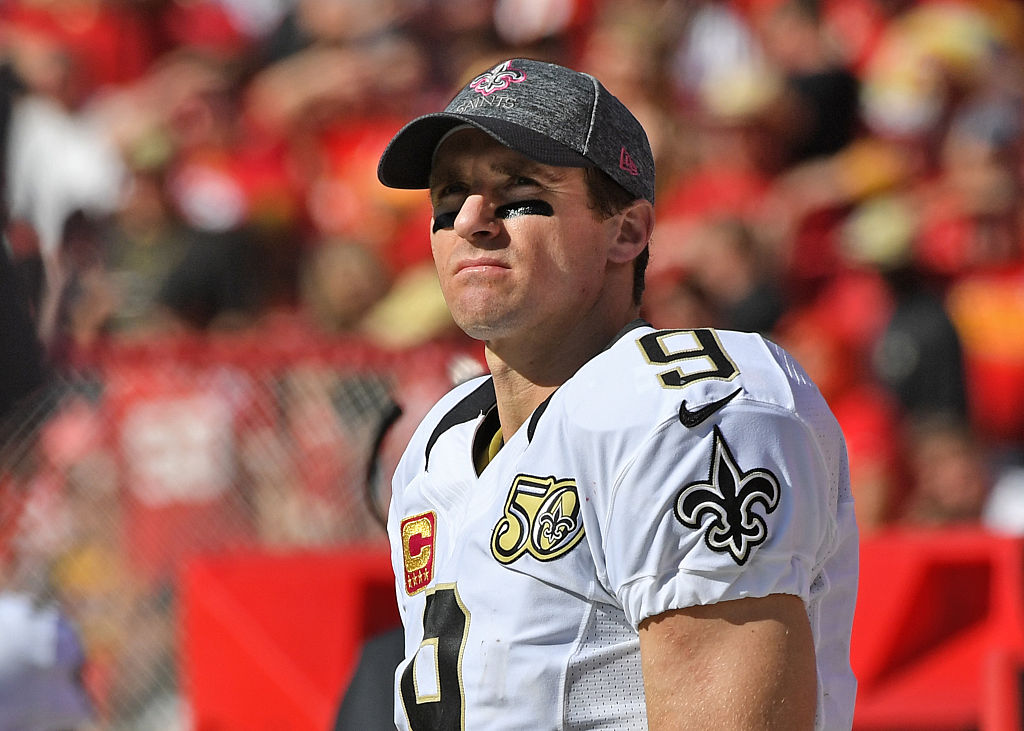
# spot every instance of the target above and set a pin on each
(549, 113)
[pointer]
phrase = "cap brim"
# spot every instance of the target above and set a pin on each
(407, 159)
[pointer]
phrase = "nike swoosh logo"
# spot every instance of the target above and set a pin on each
(690, 419)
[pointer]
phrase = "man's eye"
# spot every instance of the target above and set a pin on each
(444, 220)
(442, 195)
(452, 189)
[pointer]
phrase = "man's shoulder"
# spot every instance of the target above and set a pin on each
(679, 384)
(648, 372)
(698, 352)
(473, 394)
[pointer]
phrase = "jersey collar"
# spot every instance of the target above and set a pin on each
(482, 399)
(476, 404)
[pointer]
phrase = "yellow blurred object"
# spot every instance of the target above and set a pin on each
(870, 166)
(742, 93)
(989, 316)
(413, 312)
(926, 51)
(880, 233)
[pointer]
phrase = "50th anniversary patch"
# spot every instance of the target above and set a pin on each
(542, 518)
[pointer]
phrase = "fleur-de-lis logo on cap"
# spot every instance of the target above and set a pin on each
(727, 501)
(499, 78)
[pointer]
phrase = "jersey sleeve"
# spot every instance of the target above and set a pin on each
(740, 506)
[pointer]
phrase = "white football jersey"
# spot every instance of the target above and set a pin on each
(676, 468)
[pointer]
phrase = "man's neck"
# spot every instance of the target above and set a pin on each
(525, 376)
(517, 395)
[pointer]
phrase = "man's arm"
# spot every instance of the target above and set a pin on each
(741, 664)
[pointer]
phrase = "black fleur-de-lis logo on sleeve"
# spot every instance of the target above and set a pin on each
(726, 504)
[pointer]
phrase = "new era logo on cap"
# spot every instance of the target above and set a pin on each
(549, 113)
(626, 163)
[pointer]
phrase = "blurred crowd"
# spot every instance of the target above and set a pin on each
(843, 176)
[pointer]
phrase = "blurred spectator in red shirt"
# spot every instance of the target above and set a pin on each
(917, 354)
(738, 273)
(949, 473)
(674, 299)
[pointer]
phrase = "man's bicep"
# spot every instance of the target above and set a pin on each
(741, 664)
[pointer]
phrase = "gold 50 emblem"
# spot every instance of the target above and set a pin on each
(542, 517)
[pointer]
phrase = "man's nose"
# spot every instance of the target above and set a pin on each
(476, 218)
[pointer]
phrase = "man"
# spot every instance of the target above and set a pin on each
(619, 527)
(41, 655)
(41, 661)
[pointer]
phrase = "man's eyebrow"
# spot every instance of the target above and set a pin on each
(527, 167)
(442, 174)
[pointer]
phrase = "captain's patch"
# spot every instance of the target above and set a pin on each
(725, 505)
(542, 518)
(418, 537)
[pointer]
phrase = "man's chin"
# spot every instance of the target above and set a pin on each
(480, 324)
(490, 333)
(483, 332)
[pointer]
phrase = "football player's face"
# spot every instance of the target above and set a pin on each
(517, 245)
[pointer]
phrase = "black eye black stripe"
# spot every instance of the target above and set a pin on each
(444, 220)
(509, 210)
(524, 208)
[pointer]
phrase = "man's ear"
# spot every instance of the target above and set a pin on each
(636, 225)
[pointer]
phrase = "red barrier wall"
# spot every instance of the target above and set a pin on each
(269, 641)
(939, 631)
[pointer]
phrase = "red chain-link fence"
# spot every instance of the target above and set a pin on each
(145, 455)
